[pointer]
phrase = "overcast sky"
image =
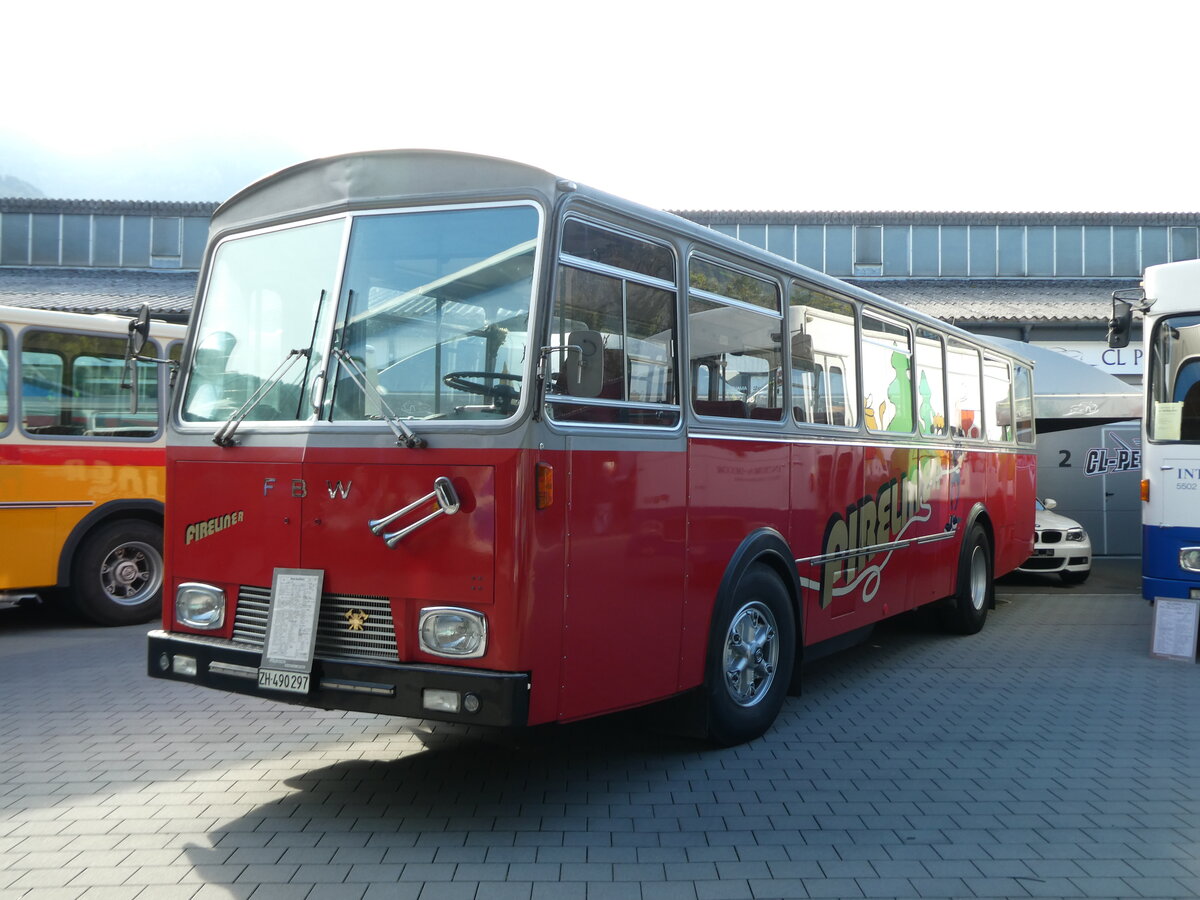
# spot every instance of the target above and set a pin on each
(838, 104)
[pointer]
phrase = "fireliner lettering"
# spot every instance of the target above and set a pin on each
(869, 524)
(200, 530)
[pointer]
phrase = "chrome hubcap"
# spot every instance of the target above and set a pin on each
(979, 577)
(751, 654)
(131, 573)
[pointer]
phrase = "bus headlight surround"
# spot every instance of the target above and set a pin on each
(453, 632)
(200, 606)
(1189, 558)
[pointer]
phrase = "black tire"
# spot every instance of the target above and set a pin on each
(1074, 577)
(117, 573)
(967, 610)
(751, 654)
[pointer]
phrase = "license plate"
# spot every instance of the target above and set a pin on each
(1043, 552)
(275, 680)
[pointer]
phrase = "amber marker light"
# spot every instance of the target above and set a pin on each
(1145, 490)
(545, 485)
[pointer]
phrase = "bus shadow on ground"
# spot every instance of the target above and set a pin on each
(461, 779)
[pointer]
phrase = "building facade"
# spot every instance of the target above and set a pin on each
(1041, 278)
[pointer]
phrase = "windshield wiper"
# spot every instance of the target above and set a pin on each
(224, 435)
(404, 434)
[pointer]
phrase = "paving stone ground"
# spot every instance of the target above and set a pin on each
(1048, 756)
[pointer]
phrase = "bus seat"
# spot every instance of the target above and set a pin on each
(614, 375)
(1189, 424)
(729, 409)
(55, 429)
(767, 413)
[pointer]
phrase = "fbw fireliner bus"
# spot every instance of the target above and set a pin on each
(458, 439)
(1170, 302)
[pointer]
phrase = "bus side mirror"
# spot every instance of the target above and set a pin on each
(802, 352)
(139, 332)
(1120, 324)
(584, 364)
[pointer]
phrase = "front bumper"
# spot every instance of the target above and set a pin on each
(1051, 565)
(383, 688)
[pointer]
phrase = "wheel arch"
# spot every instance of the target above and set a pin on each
(146, 510)
(764, 546)
(980, 515)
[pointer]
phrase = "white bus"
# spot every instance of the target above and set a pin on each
(1170, 303)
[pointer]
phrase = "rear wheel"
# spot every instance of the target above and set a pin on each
(752, 649)
(117, 574)
(966, 611)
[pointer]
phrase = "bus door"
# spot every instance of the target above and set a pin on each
(936, 482)
(612, 388)
(624, 571)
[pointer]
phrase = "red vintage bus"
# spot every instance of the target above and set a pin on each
(458, 439)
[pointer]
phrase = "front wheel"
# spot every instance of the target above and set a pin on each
(966, 611)
(117, 575)
(752, 649)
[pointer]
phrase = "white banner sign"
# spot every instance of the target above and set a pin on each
(1125, 361)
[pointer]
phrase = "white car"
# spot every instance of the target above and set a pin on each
(1059, 545)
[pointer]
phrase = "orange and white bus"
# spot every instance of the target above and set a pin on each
(81, 475)
(458, 439)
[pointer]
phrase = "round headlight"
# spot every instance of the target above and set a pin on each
(447, 631)
(200, 606)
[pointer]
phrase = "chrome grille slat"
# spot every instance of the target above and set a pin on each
(377, 640)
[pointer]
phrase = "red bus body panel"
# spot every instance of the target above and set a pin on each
(605, 597)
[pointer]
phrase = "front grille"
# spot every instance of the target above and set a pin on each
(335, 640)
(1049, 537)
(1048, 563)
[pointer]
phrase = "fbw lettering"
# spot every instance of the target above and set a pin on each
(299, 488)
(1101, 461)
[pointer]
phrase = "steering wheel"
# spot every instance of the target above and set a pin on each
(501, 395)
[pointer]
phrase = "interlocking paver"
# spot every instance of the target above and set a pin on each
(1045, 757)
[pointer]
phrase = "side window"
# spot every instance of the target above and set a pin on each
(612, 330)
(4, 384)
(823, 358)
(931, 384)
(887, 375)
(997, 400)
(964, 394)
(71, 385)
(735, 328)
(1023, 403)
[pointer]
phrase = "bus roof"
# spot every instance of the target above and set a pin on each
(107, 322)
(379, 178)
(1173, 287)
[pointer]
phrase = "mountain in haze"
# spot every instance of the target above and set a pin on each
(11, 186)
(192, 170)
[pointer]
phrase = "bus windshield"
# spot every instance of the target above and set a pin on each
(435, 312)
(1174, 375)
(432, 310)
(262, 302)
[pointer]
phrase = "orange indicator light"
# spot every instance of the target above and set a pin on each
(545, 485)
